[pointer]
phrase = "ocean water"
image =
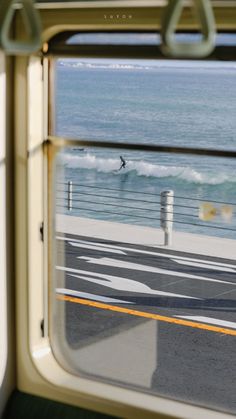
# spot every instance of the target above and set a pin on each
(166, 103)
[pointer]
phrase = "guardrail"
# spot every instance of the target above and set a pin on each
(73, 196)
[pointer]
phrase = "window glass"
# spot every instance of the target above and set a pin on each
(142, 38)
(144, 247)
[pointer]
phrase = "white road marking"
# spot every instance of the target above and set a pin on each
(138, 267)
(147, 252)
(204, 265)
(120, 283)
(100, 249)
(76, 242)
(210, 320)
(208, 262)
(89, 296)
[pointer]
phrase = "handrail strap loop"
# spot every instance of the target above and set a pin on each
(32, 25)
(188, 49)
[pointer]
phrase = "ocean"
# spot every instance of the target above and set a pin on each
(164, 103)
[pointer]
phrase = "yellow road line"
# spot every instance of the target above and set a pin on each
(152, 316)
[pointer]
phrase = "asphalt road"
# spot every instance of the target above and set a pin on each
(191, 299)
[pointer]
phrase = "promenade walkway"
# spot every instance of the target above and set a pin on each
(154, 237)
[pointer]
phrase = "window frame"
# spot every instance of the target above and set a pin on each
(7, 308)
(3, 290)
(37, 368)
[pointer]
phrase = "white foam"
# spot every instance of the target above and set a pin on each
(113, 64)
(144, 168)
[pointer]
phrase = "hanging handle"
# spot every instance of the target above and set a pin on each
(32, 26)
(188, 49)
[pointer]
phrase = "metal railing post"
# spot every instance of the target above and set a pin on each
(167, 201)
(69, 195)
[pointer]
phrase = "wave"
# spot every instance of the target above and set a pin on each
(143, 168)
(114, 65)
(103, 65)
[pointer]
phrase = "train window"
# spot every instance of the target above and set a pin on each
(143, 218)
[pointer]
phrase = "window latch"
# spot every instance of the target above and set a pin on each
(41, 231)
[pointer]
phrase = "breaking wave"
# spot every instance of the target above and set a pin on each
(143, 168)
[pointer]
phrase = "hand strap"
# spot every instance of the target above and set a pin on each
(188, 49)
(32, 27)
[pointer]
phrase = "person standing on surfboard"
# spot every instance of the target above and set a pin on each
(123, 163)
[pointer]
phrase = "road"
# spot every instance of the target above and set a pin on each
(175, 312)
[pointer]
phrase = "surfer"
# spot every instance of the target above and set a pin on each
(123, 163)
